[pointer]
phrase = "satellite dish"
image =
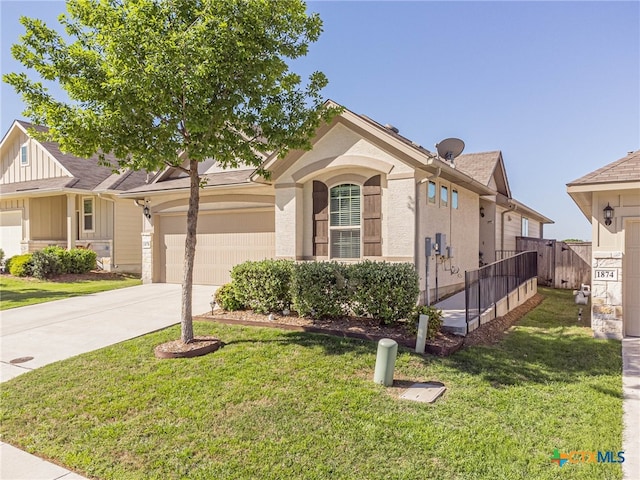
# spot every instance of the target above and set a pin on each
(450, 148)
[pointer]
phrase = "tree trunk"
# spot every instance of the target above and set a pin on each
(190, 252)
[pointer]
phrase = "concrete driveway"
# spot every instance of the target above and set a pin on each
(53, 331)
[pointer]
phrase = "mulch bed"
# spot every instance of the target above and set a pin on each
(352, 327)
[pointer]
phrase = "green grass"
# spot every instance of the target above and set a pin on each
(279, 404)
(18, 292)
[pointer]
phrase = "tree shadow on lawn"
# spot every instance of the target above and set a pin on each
(540, 357)
(331, 345)
(9, 295)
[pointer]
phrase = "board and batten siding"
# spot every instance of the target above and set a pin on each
(102, 218)
(41, 164)
(48, 218)
(127, 239)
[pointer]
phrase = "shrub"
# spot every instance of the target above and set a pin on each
(64, 256)
(435, 320)
(227, 298)
(319, 289)
(21, 265)
(263, 286)
(82, 260)
(386, 291)
(1, 256)
(46, 264)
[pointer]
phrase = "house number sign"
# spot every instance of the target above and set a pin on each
(607, 274)
(146, 243)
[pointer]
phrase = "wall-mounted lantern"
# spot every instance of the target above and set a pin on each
(482, 212)
(608, 214)
(146, 212)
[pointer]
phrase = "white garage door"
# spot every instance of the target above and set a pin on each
(10, 232)
(631, 278)
(224, 240)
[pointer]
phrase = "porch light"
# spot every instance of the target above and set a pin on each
(608, 214)
(482, 211)
(146, 212)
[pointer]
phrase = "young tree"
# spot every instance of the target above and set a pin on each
(173, 82)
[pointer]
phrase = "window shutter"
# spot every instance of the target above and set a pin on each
(320, 219)
(372, 216)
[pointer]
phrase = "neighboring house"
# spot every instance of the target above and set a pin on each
(362, 191)
(51, 198)
(610, 199)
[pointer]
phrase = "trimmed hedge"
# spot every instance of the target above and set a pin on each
(263, 286)
(319, 289)
(20, 265)
(386, 291)
(46, 264)
(52, 261)
(82, 260)
(227, 298)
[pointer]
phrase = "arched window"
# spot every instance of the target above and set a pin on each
(344, 221)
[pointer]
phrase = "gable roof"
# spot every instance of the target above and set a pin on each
(87, 173)
(485, 166)
(627, 169)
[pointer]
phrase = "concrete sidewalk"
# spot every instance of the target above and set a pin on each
(54, 331)
(631, 407)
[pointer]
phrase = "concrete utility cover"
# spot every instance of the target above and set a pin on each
(424, 392)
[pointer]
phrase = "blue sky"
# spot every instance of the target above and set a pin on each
(554, 85)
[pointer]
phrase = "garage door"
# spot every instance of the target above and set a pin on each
(10, 232)
(631, 278)
(224, 240)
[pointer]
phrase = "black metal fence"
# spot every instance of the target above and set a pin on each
(485, 286)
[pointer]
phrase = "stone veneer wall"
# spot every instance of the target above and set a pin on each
(606, 297)
(147, 257)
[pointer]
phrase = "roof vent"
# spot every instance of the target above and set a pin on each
(392, 128)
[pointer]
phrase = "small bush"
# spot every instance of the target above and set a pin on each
(1, 256)
(227, 298)
(64, 256)
(319, 289)
(21, 265)
(46, 264)
(386, 291)
(82, 260)
(435, 320)
(263, 286)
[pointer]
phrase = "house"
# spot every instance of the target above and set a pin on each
(610, 199)
(48, 197)
(362, 192)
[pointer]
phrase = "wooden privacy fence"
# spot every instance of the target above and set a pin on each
(560, 264)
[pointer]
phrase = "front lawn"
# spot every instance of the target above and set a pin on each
(18, 292)
(277, 404)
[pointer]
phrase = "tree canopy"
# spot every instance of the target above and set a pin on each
(162, 83)
(151, 79)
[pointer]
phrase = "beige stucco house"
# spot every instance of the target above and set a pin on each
(362, 191)
(48, 197)
(610, 199)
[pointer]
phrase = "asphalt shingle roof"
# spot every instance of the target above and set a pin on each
(479, 166)
(233, 177)
(627, 169)
(88, 171)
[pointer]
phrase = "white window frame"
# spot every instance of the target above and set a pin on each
(454, 199)
(84, 215)
(524, 226)
(335, 228)
(24, 155)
